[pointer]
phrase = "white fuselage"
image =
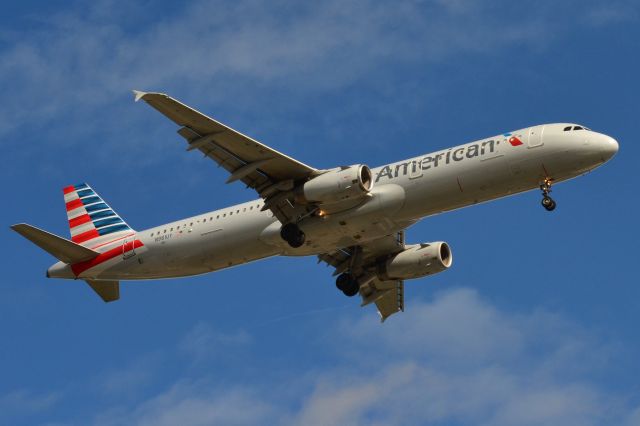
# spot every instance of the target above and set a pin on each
(403, 193)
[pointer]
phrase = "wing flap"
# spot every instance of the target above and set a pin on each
(387, 295)
(60, 248)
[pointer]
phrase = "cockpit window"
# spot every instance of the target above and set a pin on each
(569, 128)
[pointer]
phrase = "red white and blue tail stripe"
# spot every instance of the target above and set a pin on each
(91, 220)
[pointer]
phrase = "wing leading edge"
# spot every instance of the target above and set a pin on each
(258, 166)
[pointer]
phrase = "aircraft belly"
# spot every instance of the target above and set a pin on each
(238, 243)
(372, 219)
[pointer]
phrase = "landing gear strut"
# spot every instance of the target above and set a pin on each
(293, 235)
(347, 284)
(547, 202)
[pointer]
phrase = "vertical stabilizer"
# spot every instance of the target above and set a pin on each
(91, 220)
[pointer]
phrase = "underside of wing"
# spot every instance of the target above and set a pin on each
(359, 264)
(258, 166)
(387, 295)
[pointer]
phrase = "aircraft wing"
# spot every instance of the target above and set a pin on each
(266, 170)
(361, 260)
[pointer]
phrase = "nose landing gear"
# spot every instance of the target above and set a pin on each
(547, 202)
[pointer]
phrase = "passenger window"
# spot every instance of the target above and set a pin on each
(251, 208)
(204, 220)
(171, 230)
(218, 217)
(191, 224)
(224, 215)
(566, 129)
(165, 231)
(152, 234)
(238, 211)
(230, 213)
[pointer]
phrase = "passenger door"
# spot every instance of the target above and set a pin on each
(534, 136)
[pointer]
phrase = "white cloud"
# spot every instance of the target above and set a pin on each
(132, 378)
(193, 404)
(25, 403)
(460, 359)
(410, 393)
(634, 418)
(611, 12)
(78, 66)
(456, 360)
(455, 326)
(202, 342)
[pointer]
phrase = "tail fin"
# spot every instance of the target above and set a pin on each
(91, 220)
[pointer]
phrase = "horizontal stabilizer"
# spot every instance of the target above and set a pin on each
(107, 290)
(60, 248)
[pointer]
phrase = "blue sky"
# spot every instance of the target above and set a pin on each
(536, 323)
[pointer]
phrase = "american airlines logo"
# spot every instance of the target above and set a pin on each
(415, 166)
(513, 140)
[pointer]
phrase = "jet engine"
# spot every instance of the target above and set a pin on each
(342, 183)
(416, 261)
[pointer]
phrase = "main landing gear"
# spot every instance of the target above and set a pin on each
(547, 202)
(347, 284)
(292, 234)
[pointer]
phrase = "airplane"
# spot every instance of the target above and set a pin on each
(353, 217)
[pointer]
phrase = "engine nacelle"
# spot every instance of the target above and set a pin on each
(417, 261)
(338, 184)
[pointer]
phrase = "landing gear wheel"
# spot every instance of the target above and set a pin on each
(347, 284)
(293, 235)
(548, 203)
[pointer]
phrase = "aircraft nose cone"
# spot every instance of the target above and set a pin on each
(610, 147)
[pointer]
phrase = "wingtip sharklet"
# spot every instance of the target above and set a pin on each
(138, 94)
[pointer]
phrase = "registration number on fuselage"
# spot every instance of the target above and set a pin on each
(163, 238)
